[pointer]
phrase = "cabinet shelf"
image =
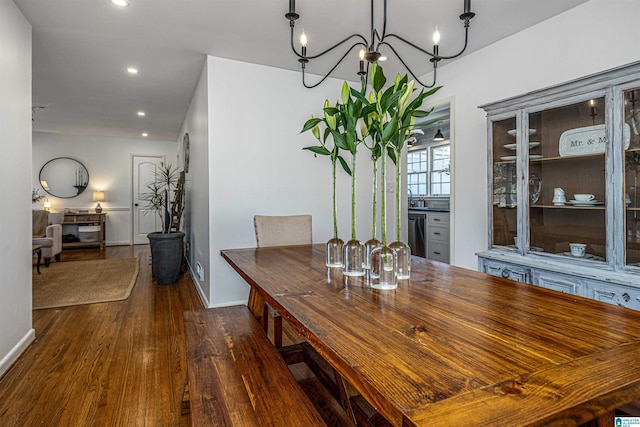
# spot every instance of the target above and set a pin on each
(596, 208)
(555, 158)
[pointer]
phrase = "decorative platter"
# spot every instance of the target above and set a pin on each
(588, 140)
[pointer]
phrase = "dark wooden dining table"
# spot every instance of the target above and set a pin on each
(455, 347)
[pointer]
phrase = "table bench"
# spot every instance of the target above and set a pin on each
(237, 377)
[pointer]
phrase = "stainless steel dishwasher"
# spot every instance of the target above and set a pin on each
(417, 224)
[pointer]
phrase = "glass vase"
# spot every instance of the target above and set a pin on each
(403, 254)
(369, 246)
(334, 252)
(383, 268)
(353, 257)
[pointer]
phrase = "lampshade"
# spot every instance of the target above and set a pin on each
(438, 136)
(46, 205)
(98, 196)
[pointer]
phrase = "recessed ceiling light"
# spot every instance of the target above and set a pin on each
(120, 3)
(132, 70)
(145, 134)
(141, 113)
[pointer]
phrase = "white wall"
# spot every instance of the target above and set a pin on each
(108, 161)
(257, 165)
(196, 214)
(598, 35)
(16, 331)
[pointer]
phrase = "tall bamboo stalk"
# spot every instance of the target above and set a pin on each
(383, 201)
(335, 204)
(375, 198)
(353, 196)
(398, 199)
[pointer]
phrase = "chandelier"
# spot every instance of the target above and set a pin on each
(370, 48)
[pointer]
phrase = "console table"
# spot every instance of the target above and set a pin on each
(85, 219)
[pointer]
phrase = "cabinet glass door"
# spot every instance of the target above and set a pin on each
(632, 175)
(504, 218)
(567, 180)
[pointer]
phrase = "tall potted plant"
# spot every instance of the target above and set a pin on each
(166, 245)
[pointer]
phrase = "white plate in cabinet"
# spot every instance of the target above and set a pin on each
(618, 295)
(508, 271)
(559, 282)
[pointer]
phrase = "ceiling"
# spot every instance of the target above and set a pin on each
(82, 48)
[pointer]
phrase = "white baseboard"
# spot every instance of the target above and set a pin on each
(19, 348)
(203, 299)
(229, 303)
(122, 243)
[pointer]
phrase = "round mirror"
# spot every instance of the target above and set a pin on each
(64, 177)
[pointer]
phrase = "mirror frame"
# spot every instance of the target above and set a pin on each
(80, 185)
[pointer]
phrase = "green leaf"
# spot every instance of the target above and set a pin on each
(339, 140)
(345, 165)
(368, 110)
(392, 154)
(378, 78)
(310, 124)
(318, 149)
(420, 113)
(326, 134)
(360, 96)
(390, 101)
(390, 129)
(432, 91)
(332, 111)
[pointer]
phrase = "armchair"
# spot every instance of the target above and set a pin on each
(51, 241)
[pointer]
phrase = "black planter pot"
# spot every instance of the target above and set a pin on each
(166, 256)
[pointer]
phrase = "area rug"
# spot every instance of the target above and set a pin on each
(84, 282)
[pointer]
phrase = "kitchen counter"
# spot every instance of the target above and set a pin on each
(427, 209)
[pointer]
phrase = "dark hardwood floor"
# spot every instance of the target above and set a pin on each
(109, 364)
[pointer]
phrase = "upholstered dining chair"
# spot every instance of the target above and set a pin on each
(277, 231)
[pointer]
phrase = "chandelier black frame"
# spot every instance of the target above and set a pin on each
(371, 49)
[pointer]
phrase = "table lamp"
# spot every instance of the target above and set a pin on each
(98, 196)
(47, 204)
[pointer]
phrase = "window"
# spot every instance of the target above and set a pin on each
(428, 169)
(439, 168)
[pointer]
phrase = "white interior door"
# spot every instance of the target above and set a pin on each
(144, 220)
